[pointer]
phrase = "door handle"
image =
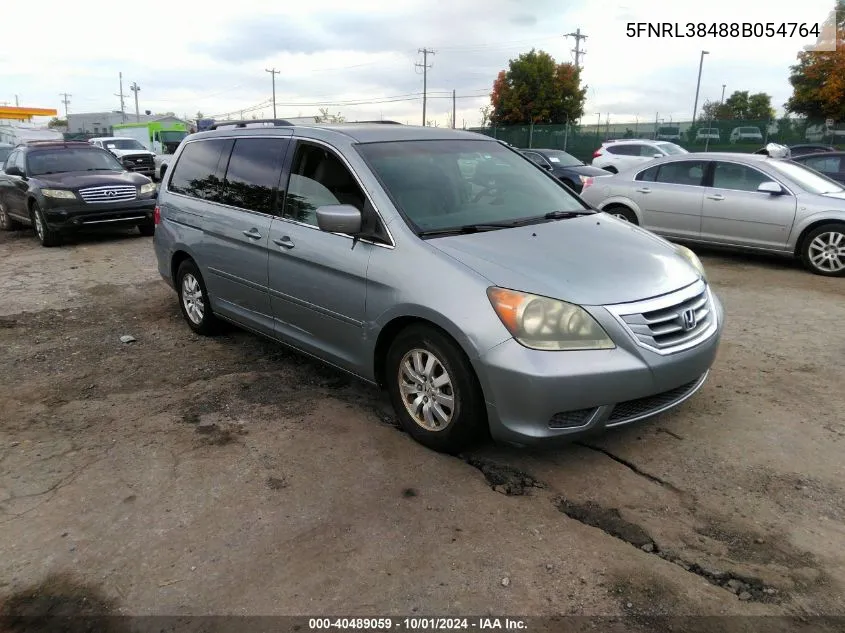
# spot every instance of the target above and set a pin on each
(716, 197)
(644, 190)
(284, 242)
(253, 234)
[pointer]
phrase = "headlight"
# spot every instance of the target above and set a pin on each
(547, 324)
(692, 258)
(62, 194)
(149, 188)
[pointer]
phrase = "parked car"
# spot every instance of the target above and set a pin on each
(491, 301)
(800, 150)
(742, 201)
(130, 152)
(831, 164)
(619, 155)
(565, 167)
(668, 133)
(705, 134)
(59, 187)
(5, 150)
(746, 135)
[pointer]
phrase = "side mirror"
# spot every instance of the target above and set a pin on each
(14, 170)
(658, 155)
(339, 218)
(770, 187)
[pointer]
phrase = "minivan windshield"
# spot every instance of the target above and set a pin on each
(65, 160)
(442, 185)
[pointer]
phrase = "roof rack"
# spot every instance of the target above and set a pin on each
(246, 122)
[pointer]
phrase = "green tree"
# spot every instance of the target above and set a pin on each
(741, 105)
(818, 79)
(537, 89)
(760, 107)
(57, 122)
(486, 111)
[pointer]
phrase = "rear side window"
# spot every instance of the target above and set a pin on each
(199, 171)
(686, 172)
(828, 164)
(648, 175)
(624, 150)
(252, 177)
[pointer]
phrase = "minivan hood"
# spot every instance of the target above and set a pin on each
(588, 260)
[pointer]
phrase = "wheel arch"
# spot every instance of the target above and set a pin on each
(621, 201)
(811, 226)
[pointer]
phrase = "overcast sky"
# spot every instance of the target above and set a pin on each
(188, 56)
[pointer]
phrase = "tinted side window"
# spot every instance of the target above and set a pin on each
(829, 164)
(737, 177)
(685, 172)
(12, 158)
(648, 175)
(318, 178)
(536, 158)
(649, 151)
(199, 171)
(623, 150)
(252, 177)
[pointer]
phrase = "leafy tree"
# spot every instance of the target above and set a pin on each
(818, 79)
(199, 114)
(760, 107)
(486, 111)
(537, 89)
(741, 105)
(57, 122)
(326, 117)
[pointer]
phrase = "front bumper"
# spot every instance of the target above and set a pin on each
(69, 214)
(539, 396)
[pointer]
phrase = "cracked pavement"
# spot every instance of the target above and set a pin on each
(185, 475)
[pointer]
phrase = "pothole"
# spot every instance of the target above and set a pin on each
(611, 522)
(505, 479)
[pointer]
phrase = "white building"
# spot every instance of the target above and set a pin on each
(103, 122)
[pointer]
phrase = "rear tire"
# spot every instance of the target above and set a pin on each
(193, 300)
(7, 222)
(47, 236)
(434, 390)
(823, 250)
(622, 213)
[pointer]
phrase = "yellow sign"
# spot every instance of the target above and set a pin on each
(24, 114)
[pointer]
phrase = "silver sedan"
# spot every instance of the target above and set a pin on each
(744, 201)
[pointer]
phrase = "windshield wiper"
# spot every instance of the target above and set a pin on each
(469, 228)
(564, 215)
(100, 169)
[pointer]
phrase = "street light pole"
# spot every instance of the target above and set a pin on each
(698, 85)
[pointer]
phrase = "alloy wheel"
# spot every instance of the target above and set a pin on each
(192, 299)
(426, 389)
(827, 252)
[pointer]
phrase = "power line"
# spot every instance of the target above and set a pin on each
(577, 50)
(273, 72)
(66, 100)
(425, 66)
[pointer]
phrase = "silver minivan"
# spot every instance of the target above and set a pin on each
(480, 292)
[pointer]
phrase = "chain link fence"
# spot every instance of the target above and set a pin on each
(732, 135)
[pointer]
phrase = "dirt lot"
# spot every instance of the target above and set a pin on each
(184, 475)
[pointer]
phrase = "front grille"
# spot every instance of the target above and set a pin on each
(672, 323)
(138, 162)
(641, 407)
(109, 193)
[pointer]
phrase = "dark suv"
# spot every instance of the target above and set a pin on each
(57, 187)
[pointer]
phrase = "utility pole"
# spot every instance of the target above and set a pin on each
(17, 105)
(65, 100)
(698, 84)
(121, 95)
(425, 66)
(273, 72)
(577, 50)
(453, 108)
(136, 89)
(723, 94)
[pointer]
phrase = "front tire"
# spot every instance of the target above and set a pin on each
(193, 300)
(823, 250)
(7, 222)
(47, 236)
(622, 213)
(434, 390)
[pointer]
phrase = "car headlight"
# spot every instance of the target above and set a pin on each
(62, 194)
(692, 258)
(547, 324)
(148, 188)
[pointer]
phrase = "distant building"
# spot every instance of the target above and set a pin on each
(103, 122)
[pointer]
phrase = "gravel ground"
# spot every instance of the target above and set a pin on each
(184, 475)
